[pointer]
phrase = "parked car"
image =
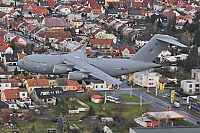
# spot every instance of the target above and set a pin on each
(166, 96)
(177, 94)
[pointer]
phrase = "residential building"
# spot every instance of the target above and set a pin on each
(5, 86)
(10, 95)
(195, 74)
(11, 105)
(31, 84)
(191, 87)
(146, 79)
(46, 95)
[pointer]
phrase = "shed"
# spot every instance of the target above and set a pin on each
(96, 98)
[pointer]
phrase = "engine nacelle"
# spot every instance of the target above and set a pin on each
(77, 76)
(61, 69)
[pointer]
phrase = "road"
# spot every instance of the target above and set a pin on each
(157, 104)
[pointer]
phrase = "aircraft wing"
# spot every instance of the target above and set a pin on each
(93, 71)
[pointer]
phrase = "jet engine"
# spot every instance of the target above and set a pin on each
(76, 75)
(61, 69)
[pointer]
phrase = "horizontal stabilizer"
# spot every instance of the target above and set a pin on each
(171, 41)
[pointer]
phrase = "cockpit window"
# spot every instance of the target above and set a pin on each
(26, 58)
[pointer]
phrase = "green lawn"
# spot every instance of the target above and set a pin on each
(126, 97)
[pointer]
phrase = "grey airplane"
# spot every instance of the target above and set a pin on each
(77, 66)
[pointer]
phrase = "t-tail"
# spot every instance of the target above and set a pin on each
(154, 47)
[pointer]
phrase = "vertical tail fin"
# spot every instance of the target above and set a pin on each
(81, 53)
(154, 47)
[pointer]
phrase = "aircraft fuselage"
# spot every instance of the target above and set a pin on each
(45, 64)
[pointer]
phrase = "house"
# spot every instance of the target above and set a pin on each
(55, 23)
(101, 43)
(96, 98)
(65, 10)
(5, 49)
(99, 85)
(34, 20)
(191, 87)
(46, 95)
(3, 105)
(53, 36)
(10, 59)
(135, 14)
(4, 86)
(9, 36)
(73, 85)
(11, 105)
(126, 52)
(122, 13)
(73, 17)
(29, 28)
(142, 40)
(40, 11)
(15, 83)
(5, 75)
(112, 12)
(146, 79)
(31, 84)
(183, 19)
(13, 69)
(6, 8)
(10, 95)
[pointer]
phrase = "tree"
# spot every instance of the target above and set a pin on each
(90, 112)
(148, 19)
(110, 5)
(191, 61)
(153, 19)
(32, 130)
(97, 129)
(196, 40)
(197, 16)
(60, 123)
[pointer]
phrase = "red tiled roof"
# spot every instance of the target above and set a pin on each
(137, 4)
(71, 82)
(38, 82)
(57, 34)
(20, 55)
(126, 47)
(51, 3)
(55, 22)
(29, 3)
(31, 82)
(97, 96)
(92, 3)
(11, 93)
(101, 41)
(42, 82)
(2, 39)
(40, 10)
(31, 27)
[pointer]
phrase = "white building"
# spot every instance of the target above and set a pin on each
(4, 86)
(191, 87)
(195, 74)
(12, 105)
(146, 79)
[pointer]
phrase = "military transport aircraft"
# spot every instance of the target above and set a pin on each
(78, 67)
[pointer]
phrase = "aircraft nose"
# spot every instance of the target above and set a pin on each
(20, 63)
